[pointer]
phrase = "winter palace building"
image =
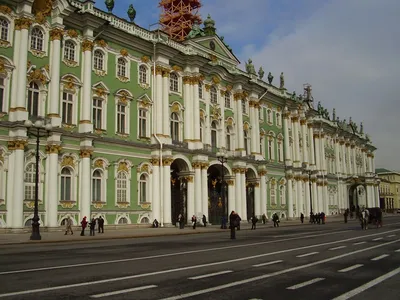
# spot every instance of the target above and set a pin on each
(140, 122)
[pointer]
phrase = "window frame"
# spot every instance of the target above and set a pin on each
(140, 187)
(44, 51)
(104, 69)
(146, 83)
(76, 60)
(177, 83)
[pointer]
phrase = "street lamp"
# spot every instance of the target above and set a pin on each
(221, 156)
(310, 187)
(38, 129)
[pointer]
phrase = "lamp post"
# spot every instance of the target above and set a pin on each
(38, 129)
(310, 187)
(221, 156)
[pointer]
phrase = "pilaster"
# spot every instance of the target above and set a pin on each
(263, 191)
(166, 197)
(155, 205)
(204, 189)
(289, 188)
(85, 123)
(165, 104)
(196, 206)
(85, 178)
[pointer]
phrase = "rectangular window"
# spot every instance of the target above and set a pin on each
(142, 123)
(121, 191)
(67, 107)
(33, 103)
(65, 188)
(97, 113)
(2, 89)
(121, 118)
(96, 190)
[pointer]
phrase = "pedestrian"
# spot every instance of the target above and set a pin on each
(264, 218)
(204, 220)
(68, 226)
(254, 221)
(100, 223)
(194, 221)
(180, 221)
(346, 213)
(233, 223)
(275, 219)
(302, 218)
(155, 223)
(83, 224)
(92, 226)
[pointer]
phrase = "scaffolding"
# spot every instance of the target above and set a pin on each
(178, 16)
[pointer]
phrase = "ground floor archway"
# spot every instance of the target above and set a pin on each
(217, 194)
(178, 190)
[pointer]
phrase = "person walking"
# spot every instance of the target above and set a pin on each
(302, 218)
(83, 224)
(92, 226)
(100, 223)
(233, 223)
(264, 218)
(204, 220)
(254, 221)
(275, 219)
(194, 221)
(68, 226)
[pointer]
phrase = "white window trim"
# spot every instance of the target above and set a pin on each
(42, 97)
(270, 116)
(45, 50)
(128, 182)
(145, 85)
(75, 62)
(127, 77)
(282, 197)
(104, 178)
(271, 154)
(140, 107)
(147, 187)
(70, 84)
(6, 76)
(11, 28)
(216, 93)
(124, 97)
(179, 92)
(103, 72)
(74, 184)
(120, 216)
(201, 87)
(272, 187)
(104, 98)
(30, 158)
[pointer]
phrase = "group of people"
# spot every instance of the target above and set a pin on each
(318, 218)
(84, 223)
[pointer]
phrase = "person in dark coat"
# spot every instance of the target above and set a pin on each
(254, 221)
(83, 224)
(302, 218)
(204, 220)
(100, 223)
(92, 226)
(194, 221)
(233, 223)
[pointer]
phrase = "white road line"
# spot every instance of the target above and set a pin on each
(377, 239)
(268, 263)
(392, 235)
(350, 268)
(265, 276)
(359, 243)
(303, 284)
(337, 248)
(368, 285)
(380, 257)
(398, 250)
(123, 291)
(183, 253)
(210, 275)
(307, 254)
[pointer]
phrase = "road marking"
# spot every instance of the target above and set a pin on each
(303, 284)
(380, 257)
(123, 291)
(261, 277)
(398, 250)
(210, 275)
(368, 285)
(307, 254)
(350, 268)
(377, 239)
(202, 266)
(392, 235)
(268, 263)
(337, 248)
(359, 243)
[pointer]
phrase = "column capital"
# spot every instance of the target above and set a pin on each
(53, 148)
(87, 45)
(167, 161)
(197, 165)
(155, 161)
(56, 34)
(23, 23)
(17, 145)
(85, 153)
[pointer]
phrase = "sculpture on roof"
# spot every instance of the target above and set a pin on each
(361, 128)
(334, 114)
(209, 26)
(300, 98)
(196, 31)
(109, 5)
(293, 96)
(226, 45)
(323, 112)
(282, 81)
(131, 13)
(261, 73)
(270, 78)
(250, 67)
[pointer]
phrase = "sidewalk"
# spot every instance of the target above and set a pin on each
(137, 232)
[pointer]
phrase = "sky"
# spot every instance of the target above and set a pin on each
(348, 50)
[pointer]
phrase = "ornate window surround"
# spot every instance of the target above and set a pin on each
(45, 29)
(177, 108)
(145, 85)
(144, 102)
(11, 30)
(71, 84)
(102, 72)
(41, 78)
(70, 161)
(144, 169)
(100, 164)
(101, 91)
(127, 76)
(123, 165)
(179, 78)
(6, 68)
(77, 43)
(30, 159)
(123, 97)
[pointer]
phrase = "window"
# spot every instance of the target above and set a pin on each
(273, 194)
(66, 185)
(227, 100)
(4, 29)
(29, 180)
(143, 74)
(69, 51)
(2, 93)
(200, 90)
(121, 118)
(37, 39)
(98, 60)
(33, 99)
(123, 221)
(67, 107)
(280, 151)
(202, 131)
(143, 188)
(142, 122)
(282, 195)
(96, 186)
(213, 95)
(244, 108)
(214, 135)
(246, 142)
(269, 116)
(97, 113)
(122, 185)
(278, 119)
(121, 67)
(175, 127)
(173, 82)
(228, 138)
(270, 150)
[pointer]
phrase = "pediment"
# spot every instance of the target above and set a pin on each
(38, 75)
(145, 98)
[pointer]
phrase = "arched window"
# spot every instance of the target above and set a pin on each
(33, 99)
(2, 94)
(173, 82)
(4, 29)
(98, 60)
(228, 138)
(278, 119)
(273, 194)
(121, 67)
(202, 131)
(175, 126)
(123, 220)
(29, 181)
(96, 186)
(37, 39)
(282, 195)
(270, 149)
(269, 116)
(280, 158)
(200, 90)
(246, 141)
(213, 95)
(227, 100)
(143, 74)
(66, 185)
(143, 188)
(122, 184)
(214, 135)
(69, 51)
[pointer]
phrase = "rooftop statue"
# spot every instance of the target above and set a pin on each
(109, 5)
(196, 31)
(250, 67)
(261, 73)
(282, 81)
(300, 98)
(361, 128)
(270, 78)
(131, 13)
(293, 96)
(334, 115)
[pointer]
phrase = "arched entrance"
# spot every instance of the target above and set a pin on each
(250, 185)
(178, 190)
(217, 194)
(357, 197)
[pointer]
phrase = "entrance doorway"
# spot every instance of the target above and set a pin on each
(217, 195)
(178, 191)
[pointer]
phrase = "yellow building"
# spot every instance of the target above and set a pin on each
(389, 187)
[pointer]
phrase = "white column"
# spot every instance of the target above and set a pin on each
(167, 191)
(300, 200)
(52, 181)
(373, 163)
(311, 140)
(243, 191)
(253, 130)
(323, 158)
(307, 198)
(337, 162)
(263, 193)
(349, 166)
(10, 189)
(353, 156)
(85, 183)
(295, 133)
(314, 191)
(165, 106)
(303, 124)
(320, 197)
(14, 82)
(296, 197)
(18, 191)
(190, 198)
(239, 124)
(204, 191)
(238, 184)
(188, 113)
(370, 163)
(257, 127)
(317, 152)
(377, 201)
(231, 196)
(344, 155)
(288, 154)
(196, 110)
(196, 206)
(54, 100)
(85, 124)
(158, 101)
(289, 189)
(325, 197)
(370, 196)
(364, 161)
(257, 200)
(155, 205)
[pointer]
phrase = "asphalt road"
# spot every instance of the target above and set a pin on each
(332, 261)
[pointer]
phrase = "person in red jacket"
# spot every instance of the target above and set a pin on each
(83, 224)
